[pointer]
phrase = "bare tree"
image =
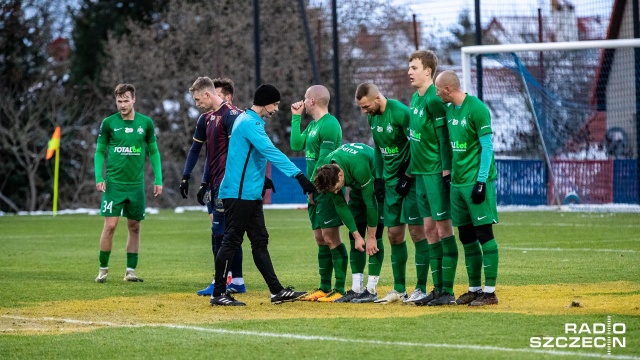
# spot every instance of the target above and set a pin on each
(163, 60)
(199, 39)
(30, 91)
(363, 26)
(27, 125)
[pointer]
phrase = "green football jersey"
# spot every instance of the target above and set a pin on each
(357, 163)
(427, 113)
(126, 142)
(318, 139)
(390, 132)
(467, 123)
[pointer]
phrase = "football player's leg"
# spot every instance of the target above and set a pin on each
(472, 256)
(110, 207)
(375, 261)
(396, 232)
(357, 260)
(484, 215)
(325, 262)
(339, 256)
(106, 240)
(134, 210)
(133, 246)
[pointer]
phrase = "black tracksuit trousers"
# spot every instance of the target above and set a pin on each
(244, 216)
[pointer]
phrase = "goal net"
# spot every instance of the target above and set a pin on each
(564, 119)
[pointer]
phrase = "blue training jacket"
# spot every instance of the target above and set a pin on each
(249, 150)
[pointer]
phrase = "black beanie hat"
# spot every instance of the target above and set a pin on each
(266, 94)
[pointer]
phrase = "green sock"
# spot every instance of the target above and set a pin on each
(490, 259)
(132, 260)
(399, 258)
(325, 267)
(435, 260)
(104, 258)
(375, 261)
(449, 263)
(357, 259)
(340, 258)
(473, 260)
(422, 264)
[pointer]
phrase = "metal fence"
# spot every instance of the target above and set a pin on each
(526, 182)
(590, 128)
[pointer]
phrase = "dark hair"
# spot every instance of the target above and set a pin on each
(122, 89)
(366, 89)
(326, 178)
(226, 84)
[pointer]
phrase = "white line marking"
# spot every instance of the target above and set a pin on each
(192, 230)
(569, 249)
(575, 224)
(329, 338)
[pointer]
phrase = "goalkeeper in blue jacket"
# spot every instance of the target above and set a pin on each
(241, 194)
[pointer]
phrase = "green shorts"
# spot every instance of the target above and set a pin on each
(433, 198)
(323, 213)
(359, 209)
(465, 212)
(124, 199)
(399, 210)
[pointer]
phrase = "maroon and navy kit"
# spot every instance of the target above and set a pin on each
(214, 129)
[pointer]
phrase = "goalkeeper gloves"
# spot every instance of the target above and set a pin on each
(479, 192)
(184, 186)
(403, 185)
(404, 165)
(447, 182)
(268, 184)
(307, 186)
(202, 192)
(378, 188)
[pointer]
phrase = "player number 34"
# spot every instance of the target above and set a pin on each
(107, 206)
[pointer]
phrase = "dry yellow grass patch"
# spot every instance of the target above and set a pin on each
(21, 325)
(622, 298)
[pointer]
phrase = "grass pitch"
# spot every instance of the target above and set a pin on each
(555, 268)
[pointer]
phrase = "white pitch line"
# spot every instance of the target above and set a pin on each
(560, 249)
(576, 224)
(330, 338)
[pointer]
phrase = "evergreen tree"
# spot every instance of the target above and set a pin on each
(92, 24)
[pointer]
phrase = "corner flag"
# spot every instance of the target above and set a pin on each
(54, 146)
(54, 143)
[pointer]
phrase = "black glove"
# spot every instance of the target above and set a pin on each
(307, 186)
(268, 184)
(447, 182)
(404, 165)
(184, 186)
(403, 185)
(479, 192)
(378, 187)
(201, 192)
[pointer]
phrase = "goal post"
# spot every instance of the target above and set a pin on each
(573, 105)
(468, 51)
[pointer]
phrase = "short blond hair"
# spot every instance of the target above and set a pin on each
(202, 83)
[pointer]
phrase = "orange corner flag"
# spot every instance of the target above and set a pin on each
(54, 143)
